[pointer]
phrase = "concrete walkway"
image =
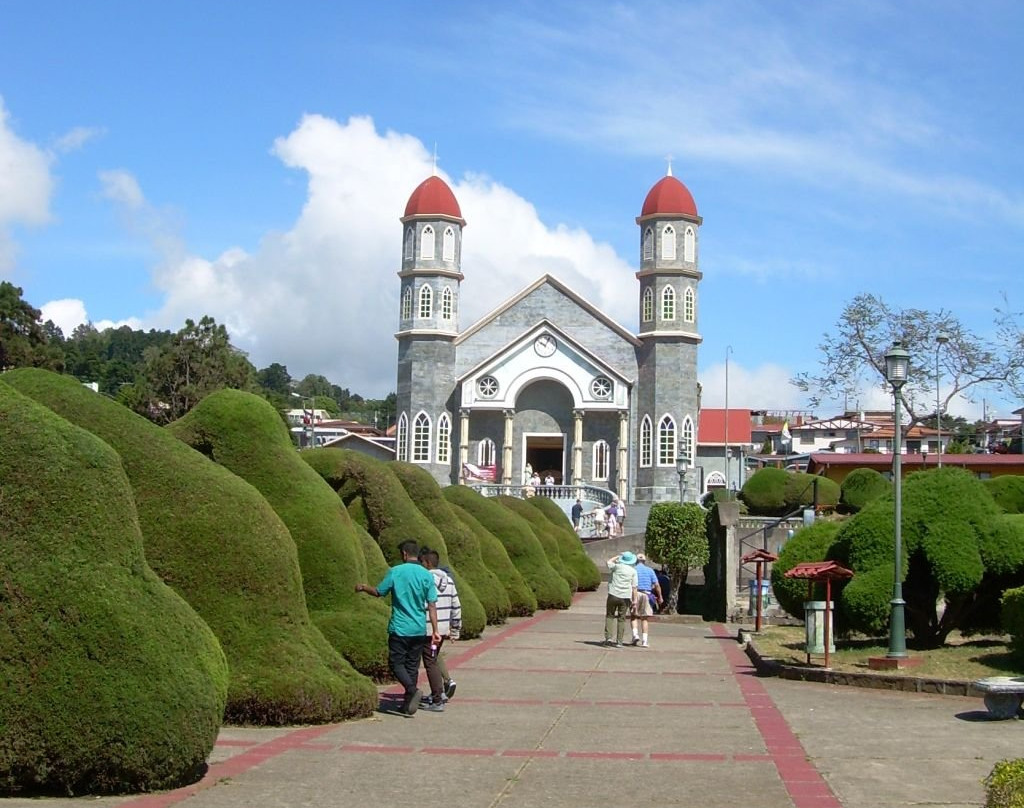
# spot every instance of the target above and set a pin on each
(545, 715)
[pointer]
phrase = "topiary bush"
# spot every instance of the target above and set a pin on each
(111, 682)
(545, 535)
(949, 535)
(216, 541)
(522, 601)
(519, 541)
(776, 492)
(1007, 491)
(388, 513)
(575, 558)
(245, 434)
(1012, 619)
(463, 545)
(1004, 786)
(860, 487)
(811, 543)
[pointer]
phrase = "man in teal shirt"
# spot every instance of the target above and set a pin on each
(412, 591)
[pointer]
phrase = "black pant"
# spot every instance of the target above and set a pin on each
(404, 655)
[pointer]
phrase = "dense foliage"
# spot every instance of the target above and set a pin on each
(111, 682)
(676, 536)
(216, 541)
(1012, 620)
(1008, 492)
(776, 492)
(860, 487)
(810, 543)
(377, 501)
(1004, 786)
(575, 558)
(244, 434)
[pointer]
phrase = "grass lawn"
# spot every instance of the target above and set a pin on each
(961, 658)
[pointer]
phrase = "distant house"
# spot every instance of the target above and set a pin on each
(836, 466)
(722, 433)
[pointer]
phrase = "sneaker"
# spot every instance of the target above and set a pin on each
(619, 645)
(413, 703)
(636, 641)
(644, 644)
(449, 689)
(434, 708)
(426, 700)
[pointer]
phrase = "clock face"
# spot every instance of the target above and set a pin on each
(544, 345)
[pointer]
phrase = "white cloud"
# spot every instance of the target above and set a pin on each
(76, 138)
(25, 186)
(70, 313)
(323, 296)
(765, 387)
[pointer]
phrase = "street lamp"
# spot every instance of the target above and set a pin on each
(940, 339)
(728, 484)
(310, 427)
(682, 464)
(897, 364)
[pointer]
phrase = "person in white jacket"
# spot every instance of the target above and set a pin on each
(449, 626)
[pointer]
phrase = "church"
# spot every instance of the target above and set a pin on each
(546, 381)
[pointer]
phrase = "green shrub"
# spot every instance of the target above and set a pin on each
(811, 543)
(391, 517)
(245, 434)
(216, 541)
(1004, 786)
(522, 601)
(860, 487)
(575, 558)
(463, 545)
(1013, 619)
(542, 529)
(775, 492)
(947, 530)
(110, 681)
(1007, 491)
(522, 546)
(677, 537)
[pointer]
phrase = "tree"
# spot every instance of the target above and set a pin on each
(275, 379)
(676, 536)
(24, 341)
(854, 353)
(198, 360)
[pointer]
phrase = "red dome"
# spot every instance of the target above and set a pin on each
(433, 197)
(669, 197)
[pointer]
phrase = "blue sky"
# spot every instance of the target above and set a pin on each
(250, 161)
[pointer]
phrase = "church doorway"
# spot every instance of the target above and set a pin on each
(546, 455)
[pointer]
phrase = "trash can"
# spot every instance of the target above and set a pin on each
(765, 596)
(814, 621)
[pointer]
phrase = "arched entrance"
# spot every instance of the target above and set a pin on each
(544, 426)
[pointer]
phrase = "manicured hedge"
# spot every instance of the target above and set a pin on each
(811, 543)
(860, 487)
(588, 577)
(1007, 491)
(774, 492)
(109, 681)
(216, 541)
(463, 545)
(1013, 620)
(390, 516)
(245, 434)
(522, 546)
(541, 528)
(522, 601)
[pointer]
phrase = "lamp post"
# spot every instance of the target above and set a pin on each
(682, 464)
(940, 339)
(897, 363)
(310, 427)
(728, 483)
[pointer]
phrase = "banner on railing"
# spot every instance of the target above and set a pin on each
(487, 474)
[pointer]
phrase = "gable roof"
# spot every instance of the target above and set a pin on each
(711, 426)
(552, 281)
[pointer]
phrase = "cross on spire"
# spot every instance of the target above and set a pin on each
(433, 167)
(668, 159)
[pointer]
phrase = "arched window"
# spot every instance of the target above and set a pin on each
(645, 441)
(427, 243)
(715, 480)
(426, 300)
(689, 308)
(600, 466)
(402, 438)
(407, 303)
(668, 303)
(686, 440)
(668, 243)
(486, 452)
(647, 313)
(444, 437)
(448, 244)
(648, 244)
(446, 303)
(667, 442)
(421, 439)
(689, 245)
(408, 243)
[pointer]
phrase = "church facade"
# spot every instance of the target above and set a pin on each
(547, 381)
